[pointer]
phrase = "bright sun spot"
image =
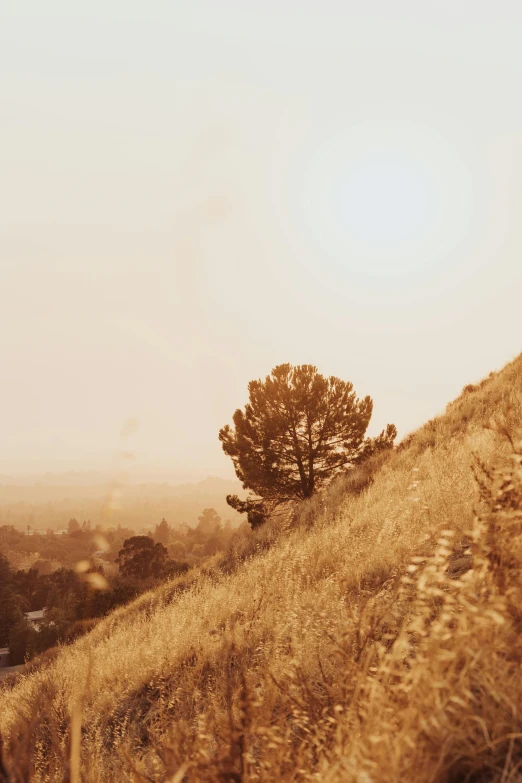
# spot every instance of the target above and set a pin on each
(384, 201)
(396, 207)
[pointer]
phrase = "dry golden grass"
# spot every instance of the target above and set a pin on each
(375, 636)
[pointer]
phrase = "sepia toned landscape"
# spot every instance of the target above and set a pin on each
(261, 392)
(373, 634)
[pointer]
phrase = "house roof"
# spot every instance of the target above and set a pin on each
(37, 615)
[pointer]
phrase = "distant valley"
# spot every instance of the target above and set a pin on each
(50, 500)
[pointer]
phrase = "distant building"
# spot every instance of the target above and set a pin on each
(4, 657)
(35, 618)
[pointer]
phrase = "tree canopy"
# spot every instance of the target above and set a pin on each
(298, 430)
(141, 558)
(162, 532)
(209, 522)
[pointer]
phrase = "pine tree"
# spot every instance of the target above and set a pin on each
(162, 532)
(298, 430)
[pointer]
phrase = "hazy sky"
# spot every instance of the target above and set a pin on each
(193, 192)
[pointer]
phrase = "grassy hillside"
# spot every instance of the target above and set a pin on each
(373, 637)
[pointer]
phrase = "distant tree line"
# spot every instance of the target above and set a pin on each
(48, 551)
(72, 606)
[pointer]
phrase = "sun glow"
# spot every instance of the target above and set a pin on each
(386, 200)
(398, 207)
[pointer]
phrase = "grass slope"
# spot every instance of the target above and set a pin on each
(374, 637)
